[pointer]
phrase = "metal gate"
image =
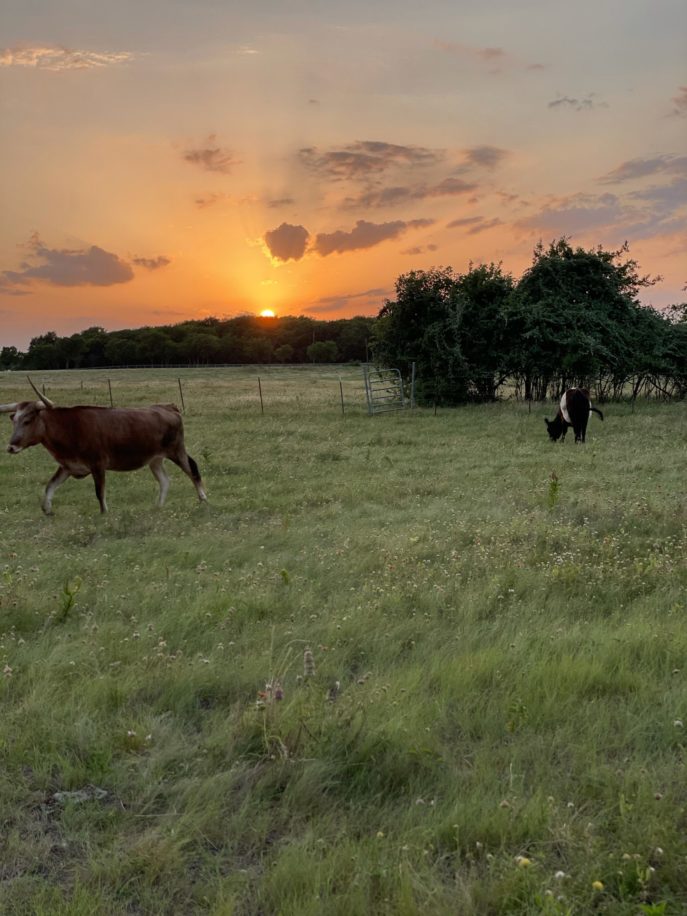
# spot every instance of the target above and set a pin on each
(384, 390)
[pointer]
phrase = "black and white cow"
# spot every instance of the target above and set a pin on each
(574, 411)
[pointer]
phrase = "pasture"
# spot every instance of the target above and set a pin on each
(491, 718)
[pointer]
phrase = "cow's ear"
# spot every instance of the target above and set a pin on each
(548, 422)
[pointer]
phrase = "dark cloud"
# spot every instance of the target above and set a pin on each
(287, 242)
(586, 104)
(680, 101)
(365, 158)
(364, 235)
(641, 168)
(92, 266)
(280, 202)
(211, 157)
(487, 157)
(151, 263)
(393, 196)
(51, 57)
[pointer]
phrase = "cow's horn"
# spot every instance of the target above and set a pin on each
(8, 408)
(42, 397)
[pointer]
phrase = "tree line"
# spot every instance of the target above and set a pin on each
(246, 339)
(572, 319)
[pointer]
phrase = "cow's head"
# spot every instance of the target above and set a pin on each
(27, 417)
(554, 428)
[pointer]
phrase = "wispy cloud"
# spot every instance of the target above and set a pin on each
(364, 158)
(680, 102)
(488, 157)
(641, 168)
(364, 235)
(420, 249)
(52, 57)
(464, 221)
(91, 266)
(333, 304)
(287, 242)
(152, 263)
(587, 103)
(495, 58)
(210, 199)
(640, 215)
(211, 157)
(279, 202)
(473, 225)
(401, 194)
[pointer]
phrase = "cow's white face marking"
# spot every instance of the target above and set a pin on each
(18, 418)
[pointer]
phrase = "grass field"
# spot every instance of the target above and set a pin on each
(490, 717)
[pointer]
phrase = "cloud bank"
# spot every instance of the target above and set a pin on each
(92, 266)
(364, 235)
(401, 194)
(50, 57)
(365, 158)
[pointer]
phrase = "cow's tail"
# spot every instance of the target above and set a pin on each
(596, 410)
(194, 469)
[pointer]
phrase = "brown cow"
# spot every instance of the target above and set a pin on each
(92, 440)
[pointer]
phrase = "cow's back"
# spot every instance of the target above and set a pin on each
(117, 438)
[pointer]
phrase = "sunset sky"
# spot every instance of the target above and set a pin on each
(165, 160)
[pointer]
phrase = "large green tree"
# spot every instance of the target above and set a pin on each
(452, 327)
(574, 318)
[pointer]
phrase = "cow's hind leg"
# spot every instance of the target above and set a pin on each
(99, 480)
(157, 467)
(183, 460)
(57, 479)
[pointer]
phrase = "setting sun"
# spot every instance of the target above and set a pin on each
(267, 313)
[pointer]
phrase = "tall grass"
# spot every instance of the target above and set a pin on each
(496, 718)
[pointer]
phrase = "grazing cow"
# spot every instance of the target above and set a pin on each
(574, 411)
(92, 440)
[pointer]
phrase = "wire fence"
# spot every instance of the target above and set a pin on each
(262, 388)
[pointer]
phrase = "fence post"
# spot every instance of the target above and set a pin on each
(342, 397)
(109, 385)
(262, 406)
(181, 395)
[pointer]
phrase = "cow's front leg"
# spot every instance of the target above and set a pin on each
(57, 479)
(99, 480)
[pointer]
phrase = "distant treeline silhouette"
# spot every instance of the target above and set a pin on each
(246, 339)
